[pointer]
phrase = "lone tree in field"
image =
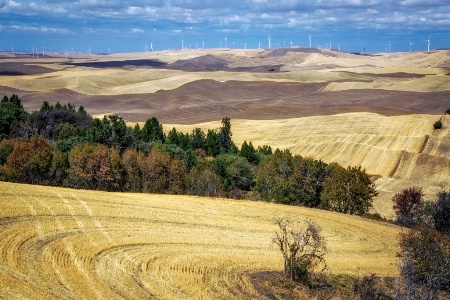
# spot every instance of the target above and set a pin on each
(303, 247)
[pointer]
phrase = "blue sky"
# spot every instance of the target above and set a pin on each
(130, 25)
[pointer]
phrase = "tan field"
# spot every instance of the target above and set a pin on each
(69, 244)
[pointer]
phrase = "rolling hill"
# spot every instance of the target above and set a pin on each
(60, 243)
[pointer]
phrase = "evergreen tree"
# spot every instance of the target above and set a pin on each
(249, 152)
(152, 131)
(11, 114)
(226, 144)
(212, 143)
(198, 139)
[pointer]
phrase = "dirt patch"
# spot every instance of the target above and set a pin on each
(398, 75)
(283, 51)
(18, 69)
(213, 63)
(120, 64)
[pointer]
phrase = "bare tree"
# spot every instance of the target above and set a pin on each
(303, 247)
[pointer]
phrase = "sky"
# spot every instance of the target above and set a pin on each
(111, 26)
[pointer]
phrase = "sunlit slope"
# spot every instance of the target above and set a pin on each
(68, 244)
(403, 150)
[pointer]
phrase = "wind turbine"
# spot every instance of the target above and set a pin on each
(429, 43)
(151, 46)
(245, 46)
(309, 41)
(12, 50)
(389, 47)
(182, 45)
(203, 45)
(225, 42)
(66, 54)
(410, 44)
(259, 45)
(32, 49)
(146, 49)
(233, 45)
(269, 42)
(43, 53)
(73, 54)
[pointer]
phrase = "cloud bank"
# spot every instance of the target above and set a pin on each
(355, 23)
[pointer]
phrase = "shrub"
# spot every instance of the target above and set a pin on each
(366, 288)
(437, 124)
(407, 205)
(440, 212)
(447, 112)
(425, 264)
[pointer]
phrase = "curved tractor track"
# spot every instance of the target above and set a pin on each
(67, 244)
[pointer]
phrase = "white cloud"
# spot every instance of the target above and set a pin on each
(13, 4)
(42, 29)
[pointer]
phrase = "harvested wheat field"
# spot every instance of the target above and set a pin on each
(69, 244)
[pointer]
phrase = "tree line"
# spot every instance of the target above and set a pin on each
(63, 145)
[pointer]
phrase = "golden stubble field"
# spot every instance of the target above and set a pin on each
(60, 243)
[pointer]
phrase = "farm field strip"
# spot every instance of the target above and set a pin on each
(62, 243)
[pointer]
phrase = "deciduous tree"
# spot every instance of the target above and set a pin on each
(30, 161)
(407, 205)
(302, 247)
(90, 167)
(348, 191)
(425, 263)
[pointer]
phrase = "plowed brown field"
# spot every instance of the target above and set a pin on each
(68, 244)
